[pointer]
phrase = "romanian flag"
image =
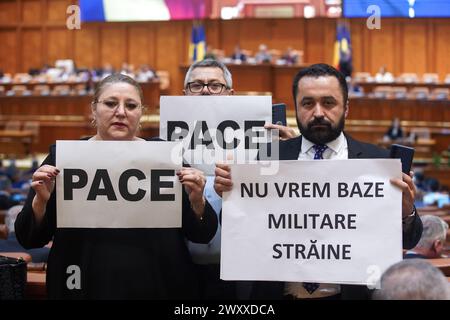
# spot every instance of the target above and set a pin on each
(197, 47)
(141, 10)
(342, 58)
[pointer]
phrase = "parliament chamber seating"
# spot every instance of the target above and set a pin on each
(440, 94)
(408, 77)
(430, 78)
(41, 90)
(447, 79)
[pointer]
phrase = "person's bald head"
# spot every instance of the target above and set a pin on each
(413, 279)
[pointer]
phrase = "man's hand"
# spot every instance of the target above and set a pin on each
(285, 133)
(194, 182)
(222, 181)
(408, 193)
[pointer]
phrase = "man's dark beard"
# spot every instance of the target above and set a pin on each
(322, 135)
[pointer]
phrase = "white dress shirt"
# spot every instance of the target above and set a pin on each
(337, 149)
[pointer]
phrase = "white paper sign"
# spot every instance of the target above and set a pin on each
(328, 221)
(118, 184)
(212, 127)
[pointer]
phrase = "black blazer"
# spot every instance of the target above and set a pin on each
(290, 150)
(117, 263)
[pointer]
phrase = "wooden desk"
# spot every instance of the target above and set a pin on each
(247, 77)
(46, 105)
(17, 255)
(404, 109)
(442, 264)
(422, 147)
(16, 142)
(16, 134)
(36, 285)
(150, 91)
(370, 86)
(406, 142)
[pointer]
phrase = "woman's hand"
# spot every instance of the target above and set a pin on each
(43, 183)
(194, 182)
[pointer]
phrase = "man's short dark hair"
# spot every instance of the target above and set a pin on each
(320, 70)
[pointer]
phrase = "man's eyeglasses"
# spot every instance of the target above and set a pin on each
(113, 104)
(213, 87)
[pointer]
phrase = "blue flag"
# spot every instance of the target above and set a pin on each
(197, 47)
(342, 59)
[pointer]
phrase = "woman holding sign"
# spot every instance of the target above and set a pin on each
(116, 263)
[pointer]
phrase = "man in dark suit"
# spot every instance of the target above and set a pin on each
(432, 241)
(321, 99)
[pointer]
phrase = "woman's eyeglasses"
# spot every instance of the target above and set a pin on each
(113, 104)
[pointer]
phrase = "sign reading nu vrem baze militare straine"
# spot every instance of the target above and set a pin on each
(118, 184)
(212, 127)
(328, 221)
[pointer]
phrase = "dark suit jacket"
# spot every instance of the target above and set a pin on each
(413, 255)
(390, 133)
(290, 150)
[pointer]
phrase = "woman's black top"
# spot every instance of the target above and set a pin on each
(103, 263)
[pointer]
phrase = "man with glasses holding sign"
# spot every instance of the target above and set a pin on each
(212, 78)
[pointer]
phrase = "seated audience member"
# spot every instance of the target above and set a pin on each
(10, 244)
(432, 241)
(105, 71)
(434, 195)
(419, 180)
(127, 69)
(145, 74)
(384, 76)
(354, 89)
(238, 55)
(395, 131)
(263, 55)
(413, 279)
(209, 53)
(290, 56)
(5, 193)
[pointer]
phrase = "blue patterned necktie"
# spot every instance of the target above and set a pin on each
(319, 150)
(318, 155)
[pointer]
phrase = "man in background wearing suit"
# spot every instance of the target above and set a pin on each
(321, 99)
(432, 241)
